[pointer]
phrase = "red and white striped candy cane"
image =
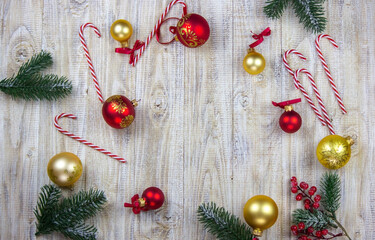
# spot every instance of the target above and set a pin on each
(286, 64)
(56, 124)
(326, 69)
(157, 25)
(87, 54)
(298, 85)
(317, 94)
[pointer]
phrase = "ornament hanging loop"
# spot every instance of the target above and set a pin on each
(260, 37)
(172, 29)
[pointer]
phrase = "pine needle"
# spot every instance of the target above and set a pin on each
(30, 84)
(316, 219)
(275, 8)
(331, 192)
(311, 14)
(222, 224)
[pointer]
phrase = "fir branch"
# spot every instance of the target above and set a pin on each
(331, 192)
(311, 14)
(68, 215)
(29, 84)
(222, 224)
(275, 8)
(315, 218)
(35, 64)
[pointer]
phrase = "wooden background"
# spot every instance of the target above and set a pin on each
(205, 129)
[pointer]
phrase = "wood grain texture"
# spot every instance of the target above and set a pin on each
(205, 130)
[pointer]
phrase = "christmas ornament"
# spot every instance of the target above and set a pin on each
(64, 169)
(290, 121)
(152, 198)
(57, 126)
(319, 213)
(334, 151)
(67, 215)
(192, 30)
(260, 212)
(118, 111)
(222, 224)
(310, 13)
(30, 84)
(254, 62)
(121, 31)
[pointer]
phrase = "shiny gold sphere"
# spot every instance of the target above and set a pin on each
(64, 169)
(254, 62)
(260, 212)
(122, 30)
(334, 151)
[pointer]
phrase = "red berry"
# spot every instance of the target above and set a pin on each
(301, 226)
(312, 190)
(299, 197)
(310, 229)
(324, 232)
(316, 205)
(294, 184)
(307, 206)
(317, 198)
(255, 238)
(307, 201)
(293, 179)
(304, 185)
(294, 228)
(294, 189)
(318, 233)
(303, 238)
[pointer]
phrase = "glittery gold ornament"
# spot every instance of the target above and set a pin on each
(64, 169)
(334, 151)
(260, 212)
(122, 30)
(254, 62)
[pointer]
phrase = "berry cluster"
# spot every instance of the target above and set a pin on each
(310, 202)
(309, 233)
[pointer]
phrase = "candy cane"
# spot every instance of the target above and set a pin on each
(157, 25)
(317, 94)
(87, 54)
(298, 85)
(56, 124)
(286, 64)
(326, 69)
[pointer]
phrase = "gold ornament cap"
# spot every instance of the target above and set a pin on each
(349, 140)
(288, 108)
(135, 102)
(142, 202)
(257, 232)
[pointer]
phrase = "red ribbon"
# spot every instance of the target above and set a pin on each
(135, 204)
(260, 37)
(286, 103)
(137, 45)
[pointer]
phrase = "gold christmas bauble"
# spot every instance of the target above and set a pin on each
(64, 169)
(260, 212)
(122, 30)
(254, 62)
(334, 151)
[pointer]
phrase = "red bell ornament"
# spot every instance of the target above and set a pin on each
(290, 121)
(152, 198)
(118, 111)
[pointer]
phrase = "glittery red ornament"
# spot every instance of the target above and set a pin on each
(290, 121)
(152, 198)
(192, 30)
(118, 111)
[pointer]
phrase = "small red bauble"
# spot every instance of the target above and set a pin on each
(290, 121)
(118, 111)
(192, 30)
(152, 198)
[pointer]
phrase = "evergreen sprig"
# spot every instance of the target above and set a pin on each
(222, 224)
(315, 218)
(331, 192)
(68, 215)
(30, 84)
(310, 12)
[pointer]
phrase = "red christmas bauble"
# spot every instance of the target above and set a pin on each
(154, 198)
(290, 121)
(118, 111)
(192, 30)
